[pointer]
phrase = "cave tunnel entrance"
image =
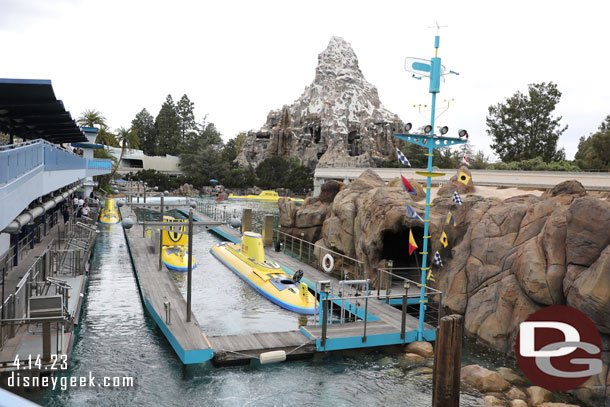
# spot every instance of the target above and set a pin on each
(396, 248)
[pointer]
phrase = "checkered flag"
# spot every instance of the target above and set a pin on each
(456, 198)
(402, 158)
(437, 259)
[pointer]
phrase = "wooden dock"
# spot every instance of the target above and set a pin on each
(383, 327)
(157, 288)
(239, 349)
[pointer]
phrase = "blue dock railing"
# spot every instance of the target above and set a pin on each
(18, 159)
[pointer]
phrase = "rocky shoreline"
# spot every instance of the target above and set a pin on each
(505, 258)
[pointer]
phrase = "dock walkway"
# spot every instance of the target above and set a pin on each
(157, 288)
(383, 327)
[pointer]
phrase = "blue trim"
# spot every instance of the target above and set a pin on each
(90, 129)
(359, 311)
(87, 145)
(265, 294)
(354, 342)
(398, 301)
(224, 235)
(178, 268)
(26, 81)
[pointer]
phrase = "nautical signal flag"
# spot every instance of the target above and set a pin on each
(401, 157)
(437, 259)
(457, 198)
(464, 178)
(412, 243)
(444, 239)
(412, 214)
(450, 220)
(407, 186)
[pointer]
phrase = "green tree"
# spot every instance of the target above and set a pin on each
(92, 118)
(95, 118)
(240, 178)
(128, 139)
(594, 151)
(203, 160)
(186, 119)
(272, 172)
(523, 127)
(144, 125)
(167, 125)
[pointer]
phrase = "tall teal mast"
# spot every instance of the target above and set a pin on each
(430, 141)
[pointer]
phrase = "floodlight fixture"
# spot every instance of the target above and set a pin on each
(408, 127)
(444, 130)
(463, 133)
(427, 129)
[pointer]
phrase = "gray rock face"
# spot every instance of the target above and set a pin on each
(337, 122)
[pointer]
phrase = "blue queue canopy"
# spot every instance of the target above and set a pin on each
(30, 110)
(214, 180)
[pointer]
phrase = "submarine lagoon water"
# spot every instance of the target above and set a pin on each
(118, 338)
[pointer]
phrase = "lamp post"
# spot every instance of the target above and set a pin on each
(430, 141)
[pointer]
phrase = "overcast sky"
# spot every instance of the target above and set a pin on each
(237, 60)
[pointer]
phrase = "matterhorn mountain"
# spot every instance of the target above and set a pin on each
(337, 122)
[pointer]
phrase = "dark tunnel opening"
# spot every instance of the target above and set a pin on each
(396, 247)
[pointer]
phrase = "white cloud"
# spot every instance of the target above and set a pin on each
(239, 59)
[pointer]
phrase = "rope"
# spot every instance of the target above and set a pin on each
(254, 357)
(300, 346)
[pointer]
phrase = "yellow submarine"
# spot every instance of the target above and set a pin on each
(248, 261)
(174, 240)
(265, 196)
(109, 214)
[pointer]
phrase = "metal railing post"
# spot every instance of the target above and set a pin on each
(324, 321)
(403, 319)
(366, 314)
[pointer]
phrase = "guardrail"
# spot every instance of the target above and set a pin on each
(53, 261)
(313, 255)
(18, 159)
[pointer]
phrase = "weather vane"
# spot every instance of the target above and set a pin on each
(438, 27)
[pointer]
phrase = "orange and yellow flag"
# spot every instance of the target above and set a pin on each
(412, 244)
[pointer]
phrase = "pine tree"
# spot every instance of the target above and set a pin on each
(144, 125)
(523, 128)
(186, 116)
(594, 151)
(167, 125)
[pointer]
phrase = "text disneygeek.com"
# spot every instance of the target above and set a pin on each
(63, 383)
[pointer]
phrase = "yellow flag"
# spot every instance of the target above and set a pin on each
(464, 178)
(444, 239)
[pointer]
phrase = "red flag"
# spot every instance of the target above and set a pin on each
(412, 244)
(408, 187)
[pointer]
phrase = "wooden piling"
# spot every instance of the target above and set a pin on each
(447, 362)
(268, 230)
(246, 221)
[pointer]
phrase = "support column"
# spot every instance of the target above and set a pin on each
(268, 230)
(246, 221)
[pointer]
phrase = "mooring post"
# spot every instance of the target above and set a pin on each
(268, 230)
(324, 321)
(447, 362)
(246, 220)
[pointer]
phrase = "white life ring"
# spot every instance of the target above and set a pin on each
(328, 262)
